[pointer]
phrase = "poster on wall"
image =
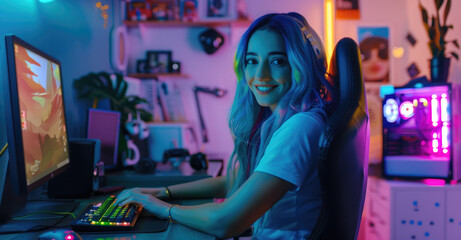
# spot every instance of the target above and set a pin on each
(374, 47)
(347, 9)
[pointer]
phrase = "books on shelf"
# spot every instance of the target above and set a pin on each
(165, 100)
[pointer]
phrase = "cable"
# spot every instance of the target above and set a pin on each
(38, 227)
(38, 212)
(3, 149)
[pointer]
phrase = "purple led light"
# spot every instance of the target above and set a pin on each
(434, 108)
(444, 108)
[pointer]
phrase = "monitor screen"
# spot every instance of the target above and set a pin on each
(38, 134)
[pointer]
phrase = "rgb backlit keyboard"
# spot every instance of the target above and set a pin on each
(104, 216)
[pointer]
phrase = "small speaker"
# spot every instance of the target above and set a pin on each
(175, 67)
(85, 173)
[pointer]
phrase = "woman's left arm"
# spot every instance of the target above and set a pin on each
(229, 218)
(233, 216)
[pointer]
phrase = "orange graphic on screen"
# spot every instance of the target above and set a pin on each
(42, 116)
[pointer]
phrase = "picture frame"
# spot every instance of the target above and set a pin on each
(141, 66)
(218, 10)
(158, 61)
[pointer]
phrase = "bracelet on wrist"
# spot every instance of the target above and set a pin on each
(168, 193)
(169, 213)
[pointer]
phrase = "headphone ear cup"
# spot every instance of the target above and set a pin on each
(199, 161)
(143, 130)
(132, 128)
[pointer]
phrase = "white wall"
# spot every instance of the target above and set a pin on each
(212, 70)
(420, 53)
(403, 17)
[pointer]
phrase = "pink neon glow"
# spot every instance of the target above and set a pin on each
(444, 137)
(434, 182)
(435, 143)
(445, 150)
(415, 102)
(434, 135)
(435, 150)
(435, 124)
(435, 114)
(444, 108)
(69, 237)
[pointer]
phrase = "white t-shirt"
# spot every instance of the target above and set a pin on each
(292, 155)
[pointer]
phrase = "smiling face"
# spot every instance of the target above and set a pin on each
(267, 71)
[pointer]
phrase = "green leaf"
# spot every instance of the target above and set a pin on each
(447, 10)
(424, 14)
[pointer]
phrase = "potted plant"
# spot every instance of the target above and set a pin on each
(100, 86)
(437, 30)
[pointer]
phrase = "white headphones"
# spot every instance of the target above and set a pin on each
(137, 127)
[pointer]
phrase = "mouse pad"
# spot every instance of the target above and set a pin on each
(146, 223)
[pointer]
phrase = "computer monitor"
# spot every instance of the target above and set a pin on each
(34, 121)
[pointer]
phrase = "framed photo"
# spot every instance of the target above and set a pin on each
(374, 47)
(141, 66)
(218, 10)
(158, 61)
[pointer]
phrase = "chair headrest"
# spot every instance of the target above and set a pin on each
(346, 70)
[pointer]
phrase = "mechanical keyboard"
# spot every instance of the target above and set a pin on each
(104, 216)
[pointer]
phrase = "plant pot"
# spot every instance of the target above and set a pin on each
(439, 69)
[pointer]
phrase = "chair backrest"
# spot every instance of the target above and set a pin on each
(344, 145)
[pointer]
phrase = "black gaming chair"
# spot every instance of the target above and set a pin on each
(343, 162)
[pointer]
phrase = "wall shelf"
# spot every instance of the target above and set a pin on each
(156, 75)
(152, 23)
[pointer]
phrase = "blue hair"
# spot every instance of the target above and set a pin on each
(252, 125)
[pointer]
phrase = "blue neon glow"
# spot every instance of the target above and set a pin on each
(46, 1)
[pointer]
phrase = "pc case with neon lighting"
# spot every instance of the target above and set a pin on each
(421, 132)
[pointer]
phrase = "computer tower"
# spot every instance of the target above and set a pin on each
(421, 132)
(84, 174)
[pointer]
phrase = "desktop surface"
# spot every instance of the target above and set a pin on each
(164, 175)
(173, 231)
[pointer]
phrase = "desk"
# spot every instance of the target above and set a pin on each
(164, 176)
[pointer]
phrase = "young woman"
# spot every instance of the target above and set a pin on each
(278, 114)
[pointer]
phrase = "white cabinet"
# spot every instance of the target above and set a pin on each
(412, 210)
